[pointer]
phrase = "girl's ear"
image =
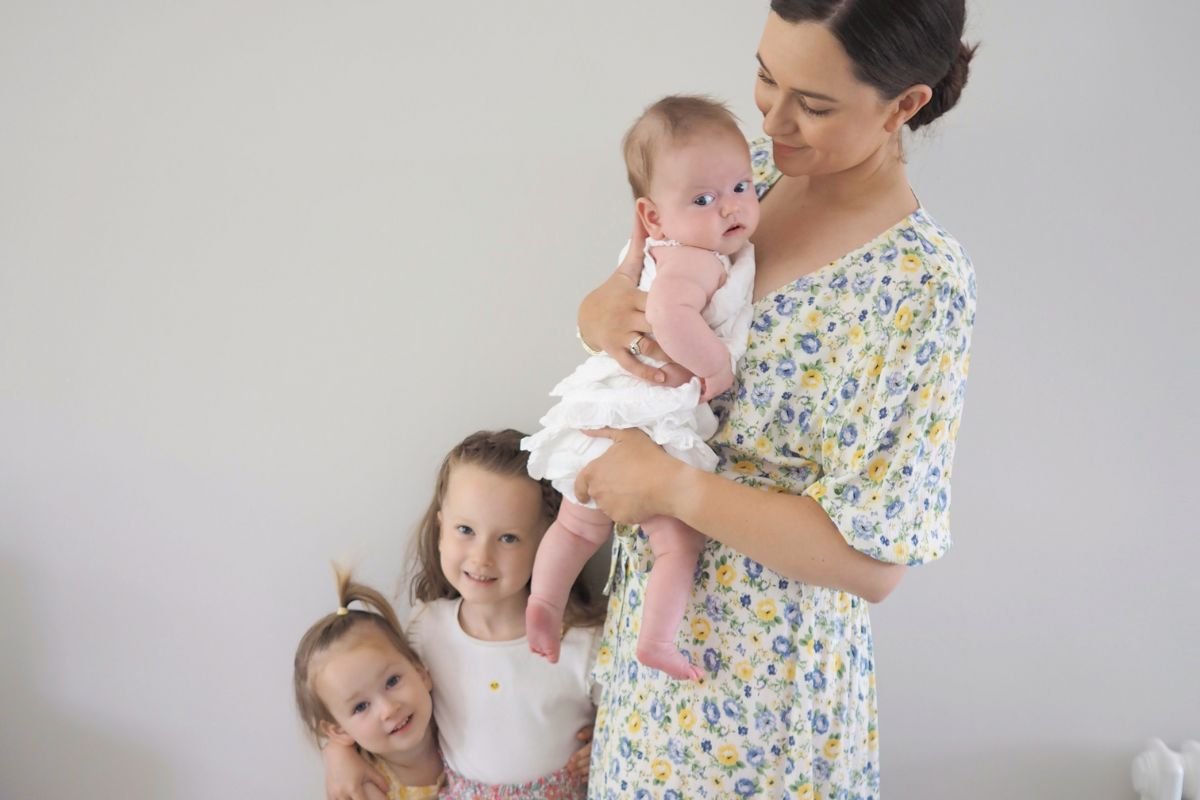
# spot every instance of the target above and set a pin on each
(906, 106)
(648, 213)
(334, 733)
(426, 679)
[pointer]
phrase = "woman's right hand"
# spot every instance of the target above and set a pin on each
(613, 316)
(348, 776)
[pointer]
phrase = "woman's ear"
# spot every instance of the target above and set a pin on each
(906, 105)
(648, 213)
(334, 733)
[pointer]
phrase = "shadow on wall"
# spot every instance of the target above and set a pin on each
(48, 751)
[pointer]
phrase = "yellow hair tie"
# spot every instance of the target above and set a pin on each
(342, 611)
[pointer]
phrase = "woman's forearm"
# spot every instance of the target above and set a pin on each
(788, 534)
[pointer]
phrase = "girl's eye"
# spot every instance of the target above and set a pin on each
(464, 529)
(705, 200)
(361, 707)
(509, 538)
(392, 681)
(742, 186)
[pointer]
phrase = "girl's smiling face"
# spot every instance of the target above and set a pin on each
(490, 526)
(378, 698)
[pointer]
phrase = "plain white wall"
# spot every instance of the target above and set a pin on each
(262, 263)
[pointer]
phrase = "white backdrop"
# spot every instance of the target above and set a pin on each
(262, 263)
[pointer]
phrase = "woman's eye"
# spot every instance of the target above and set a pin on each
(807, 109)
(762, 76)
(392, 681)
(361, 707)
(742, 186)
(705, 200)
(464, 529)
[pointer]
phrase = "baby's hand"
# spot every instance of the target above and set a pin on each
(717, 384)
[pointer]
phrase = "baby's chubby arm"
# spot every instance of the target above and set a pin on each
(686, 279)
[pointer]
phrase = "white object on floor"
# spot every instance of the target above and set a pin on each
(1158, 773)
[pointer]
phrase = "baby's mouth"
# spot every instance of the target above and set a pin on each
(734, 229)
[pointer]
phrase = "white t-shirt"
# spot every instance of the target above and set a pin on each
(504, 715)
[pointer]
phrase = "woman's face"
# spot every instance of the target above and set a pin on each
(822, 119)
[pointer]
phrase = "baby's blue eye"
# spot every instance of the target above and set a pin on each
(361, 707)
(705, 200)
(392, 681)
(742, 186)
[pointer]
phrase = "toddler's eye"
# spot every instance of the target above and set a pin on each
(361, 707)
(705, 200)
(509, 538)
(742, 186)
(464, 529)
(392, 681)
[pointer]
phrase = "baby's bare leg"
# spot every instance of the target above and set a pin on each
(567, 545)
(676, 549)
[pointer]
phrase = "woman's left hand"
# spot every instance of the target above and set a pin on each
(631, 482)
(580, 761)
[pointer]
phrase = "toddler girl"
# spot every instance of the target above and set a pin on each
(689, 167)
(507, 720)
(360, 685)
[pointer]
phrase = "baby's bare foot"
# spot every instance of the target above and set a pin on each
(543, 628)
(665, 656)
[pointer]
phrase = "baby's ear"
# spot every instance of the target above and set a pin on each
(334, 733)
(648, 213)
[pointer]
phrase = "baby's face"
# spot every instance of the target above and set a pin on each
(704, 193)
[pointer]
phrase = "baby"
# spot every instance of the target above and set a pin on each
(689, 167)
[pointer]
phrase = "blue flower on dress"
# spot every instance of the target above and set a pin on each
(887, 440)
(862, 283)
(909, 234)
(671, 794)
(896, 383)
(764, 721)
(732, 709)
(839, 282)
(890, 253)
(633, 670)
(753, 568)
(851, 494)
(849, 434)
(820, 723)
(821, 769)
(625, 747)
(763, 323)
(634, 599)
(744, 600)
(803, 419)
(943, 500)
(712, 606)
(934, 476)
(925, 352)
(641, 794)
(782, 645)
(711, 711)
(657, 710)
(762, 394)
(786, 414)
(849, 389)
(676, 751)
(894, 508)
(792, 613)
(786, 368)
(706, 745)
(863, 528)
(785, 306)
(883, 303)
(809, 343)
(886, 280)
(816, 678)
(755, 756)
(712, 661)
(745, 787)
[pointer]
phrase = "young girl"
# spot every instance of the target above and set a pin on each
(507, 720)
(360, 685)
(689, 168)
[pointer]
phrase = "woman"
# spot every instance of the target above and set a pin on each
(835, 443)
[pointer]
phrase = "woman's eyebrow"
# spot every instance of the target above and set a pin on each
(801, 92)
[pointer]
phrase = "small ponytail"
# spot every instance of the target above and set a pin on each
(946, 91)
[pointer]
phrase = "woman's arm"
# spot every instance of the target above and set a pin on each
(791, 535)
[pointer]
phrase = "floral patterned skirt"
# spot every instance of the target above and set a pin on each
(786, 707)
(555, 786)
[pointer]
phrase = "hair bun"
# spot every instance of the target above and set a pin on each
(948, 89)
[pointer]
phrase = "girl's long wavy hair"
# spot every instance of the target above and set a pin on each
(500, 453)
(332, 628)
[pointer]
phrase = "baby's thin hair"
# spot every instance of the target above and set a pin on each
(675, 119)
(334, 627)
(500, 453)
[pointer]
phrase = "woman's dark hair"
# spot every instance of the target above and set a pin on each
(895, 44)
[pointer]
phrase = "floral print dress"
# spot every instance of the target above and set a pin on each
(850, 392)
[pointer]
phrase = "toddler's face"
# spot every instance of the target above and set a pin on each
(703, 192)
(376, 695)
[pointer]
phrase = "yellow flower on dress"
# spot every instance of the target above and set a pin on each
(900, 551)
(661, 769)
(966, 364)
(805, 792)
(827, 447)
(766, 610)
(726, 575)
(727, 754)
(816, 491)
(877, 470)
(937, 432)
(745, 468)
(925, 395)
(634, 726)
(875, 366)
(953, 435)
(873, 739)
(701, 629)
(904, 318)
(813, 319)
(763, 445)
(945, 362)
(687, 718)
(789, 672)
(811, 379)
(857, 458)
(856, 334)
(743, 670)
(910, 263)
(843, 602)
(604, 656)
(832, 748)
